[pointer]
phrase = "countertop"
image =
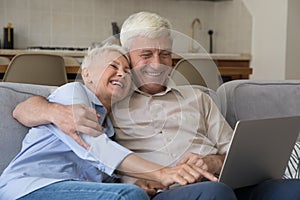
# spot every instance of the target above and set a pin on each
(215, 56)
(56, 52)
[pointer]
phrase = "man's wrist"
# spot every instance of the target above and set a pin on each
(51, 113)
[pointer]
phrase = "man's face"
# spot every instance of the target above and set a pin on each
(151, 61)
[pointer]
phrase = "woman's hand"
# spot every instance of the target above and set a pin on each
(150, 187)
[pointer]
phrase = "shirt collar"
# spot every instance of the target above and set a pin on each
(93, 98)
(98, 106)
(170, 86)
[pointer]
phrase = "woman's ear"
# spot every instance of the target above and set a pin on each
(86, 76)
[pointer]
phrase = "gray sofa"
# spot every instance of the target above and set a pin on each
(242, 99)
(12, 132)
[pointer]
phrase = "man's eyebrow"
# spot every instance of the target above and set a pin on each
(168, 50)
(147, 50)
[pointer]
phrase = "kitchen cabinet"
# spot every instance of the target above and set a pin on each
(230, 66)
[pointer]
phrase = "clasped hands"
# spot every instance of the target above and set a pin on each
(189, 169)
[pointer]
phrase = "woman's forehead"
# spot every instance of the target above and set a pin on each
(108, 56)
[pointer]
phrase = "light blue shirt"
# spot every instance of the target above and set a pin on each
(48, 155)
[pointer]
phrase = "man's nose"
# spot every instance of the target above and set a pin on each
(156, 59)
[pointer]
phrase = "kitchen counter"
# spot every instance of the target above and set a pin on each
(231, 66)
(12, 52)
(214, 56)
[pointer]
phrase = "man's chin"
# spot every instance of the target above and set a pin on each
(152, 88)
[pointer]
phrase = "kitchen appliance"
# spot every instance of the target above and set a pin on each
(115, 28)
(8, 37)
(57, 48)
(210, 32)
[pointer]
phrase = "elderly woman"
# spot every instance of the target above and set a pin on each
(51, 165)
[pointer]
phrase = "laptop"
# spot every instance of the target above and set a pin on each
(259, 150)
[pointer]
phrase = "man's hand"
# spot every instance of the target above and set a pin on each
(184, 174)
(210, 163)
(75, 119)
(150, 187)
(70, 119)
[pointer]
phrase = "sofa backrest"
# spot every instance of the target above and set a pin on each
(11, 131)
(247, 99)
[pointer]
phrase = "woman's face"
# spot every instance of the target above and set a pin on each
(110, 75)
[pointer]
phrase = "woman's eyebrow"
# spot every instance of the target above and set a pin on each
(115, 62)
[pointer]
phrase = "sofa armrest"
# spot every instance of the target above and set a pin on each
(11, 131)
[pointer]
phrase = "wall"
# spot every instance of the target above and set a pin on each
(268, 41)
(233, 20)
(275, 39)
(293, 42)
(269, 38)
(78, 23)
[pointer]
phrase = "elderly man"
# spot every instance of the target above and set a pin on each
(162, 123)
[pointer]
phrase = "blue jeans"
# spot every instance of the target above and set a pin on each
(202, 190)
(267, 190)
(78, 190)
(271, 190)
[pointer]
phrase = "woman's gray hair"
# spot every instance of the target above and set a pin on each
(146, 24)
(96, 51)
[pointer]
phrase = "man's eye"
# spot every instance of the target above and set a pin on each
(146, 55)
(166, 54)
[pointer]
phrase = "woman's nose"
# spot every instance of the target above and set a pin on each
(121, 72)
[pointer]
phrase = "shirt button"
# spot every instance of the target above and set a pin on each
(169, 139)
(173, 155)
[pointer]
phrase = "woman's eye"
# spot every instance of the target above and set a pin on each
(114, 66)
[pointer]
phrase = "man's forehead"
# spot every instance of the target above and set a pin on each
(141, 43)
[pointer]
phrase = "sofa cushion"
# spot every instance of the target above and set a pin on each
(11, 131)
(246, 99)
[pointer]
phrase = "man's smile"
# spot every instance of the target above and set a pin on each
(153, 73)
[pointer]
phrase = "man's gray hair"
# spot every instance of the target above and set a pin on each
(146, 24)
(95, 52)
